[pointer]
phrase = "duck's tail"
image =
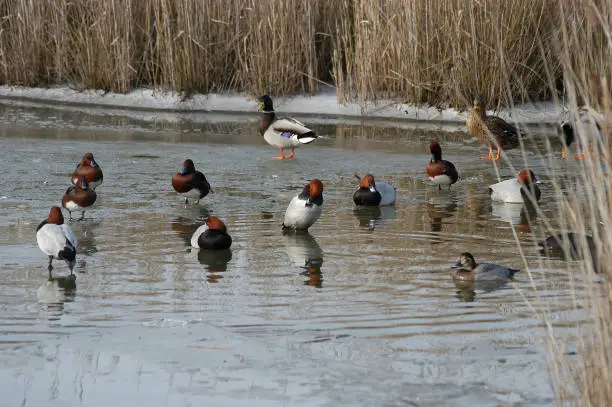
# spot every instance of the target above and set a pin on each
(308, 137)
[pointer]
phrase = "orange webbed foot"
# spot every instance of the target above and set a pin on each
(579, 156)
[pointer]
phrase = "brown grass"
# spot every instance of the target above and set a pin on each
(439, 52)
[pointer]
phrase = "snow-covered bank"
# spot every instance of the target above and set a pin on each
(324, 104)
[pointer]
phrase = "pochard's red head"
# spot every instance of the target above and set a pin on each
(315, 187)
(367, 182)
(527, 177)
(55, 216)
(215, 223)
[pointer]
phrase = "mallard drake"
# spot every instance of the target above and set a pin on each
(282, 133)
(191, 183)
(439, 171)
(516, 190)
(211, 235)
(88, 168)
(371, 193)
(56, 239)
(79, 197)
(492, 131)
(305, 208)
(469, 270)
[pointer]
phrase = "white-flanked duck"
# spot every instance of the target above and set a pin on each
(282, 133)
(79, 197)
(190, 183)
(439, 171)
(56, 239)
(212, 235)
(516, 190)
(88, 168)
(469, 270)
(371, 193)
(305, 208)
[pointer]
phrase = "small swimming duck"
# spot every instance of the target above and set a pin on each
(212, 235)
(79, 197)
(492, 131)
(190, 183)
(469, 270)
(282, 133)
(516, 190)
(88, 168)
(371, 193)
(56, 239)
(305, 208)
(439, 171)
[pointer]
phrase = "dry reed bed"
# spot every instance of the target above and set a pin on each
(439, 52)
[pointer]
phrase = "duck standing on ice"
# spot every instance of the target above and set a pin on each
(305, 208)
(282, 133)
(56, 239)
(79, 197)
(88, 168)
(439, 171)
(190, 183)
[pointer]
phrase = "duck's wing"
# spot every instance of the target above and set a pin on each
(289, 126)
(70, 236)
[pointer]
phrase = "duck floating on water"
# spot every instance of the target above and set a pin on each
(305, 208)
(371, 193)
(79, 197)
(517, 190)
(190, 183)
(56, 239)
(469, 270)
(212, 235)
(283, 133)
(439, 171)
(88, 168)
(492, 131)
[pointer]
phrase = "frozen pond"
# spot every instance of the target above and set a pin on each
(361, 311)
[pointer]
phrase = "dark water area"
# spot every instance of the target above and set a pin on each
(361, 311)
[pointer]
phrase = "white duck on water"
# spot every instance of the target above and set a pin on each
(305, 208)
(56, 239)
(516, 190)
(282, 133)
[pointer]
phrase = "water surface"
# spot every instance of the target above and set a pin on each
(361, 311)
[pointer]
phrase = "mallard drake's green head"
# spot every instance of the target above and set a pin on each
(466, 262)
(265, 103)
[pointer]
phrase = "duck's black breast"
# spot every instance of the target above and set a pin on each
(363, 196)
(214, 240)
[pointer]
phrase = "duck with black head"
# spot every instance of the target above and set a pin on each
(372, 193)
(492, 131)
(282, 132)
(79, 197)
(305, 208)
(439, 171)
(56, 239)
(88, 168)
(523, 189)
(191, 183)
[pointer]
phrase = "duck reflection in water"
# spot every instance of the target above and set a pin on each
(520, 216)
(185, 227)
(304, 251)
(440, 207)
(215, 261)
(371, 217)
(54, 293)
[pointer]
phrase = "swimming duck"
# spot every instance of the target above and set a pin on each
(491, 131)
(305, 208)
(469, 270)
(88, 168)
(79, 197)
(439, 171)
(371, 193)
(56, 239)
(190, 183)
(211, 235)
(515, 190)
(282, 133)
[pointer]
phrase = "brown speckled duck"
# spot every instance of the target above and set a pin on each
(491, 131)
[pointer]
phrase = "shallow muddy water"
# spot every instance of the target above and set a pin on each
(361, 311)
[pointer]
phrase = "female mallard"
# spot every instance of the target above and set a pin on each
(491, 131)
(282, 133)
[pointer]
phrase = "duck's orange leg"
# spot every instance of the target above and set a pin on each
(581, 156)
(498, 154)
(563, 153)
(490, 156)
(282, 154)
(292, 153)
